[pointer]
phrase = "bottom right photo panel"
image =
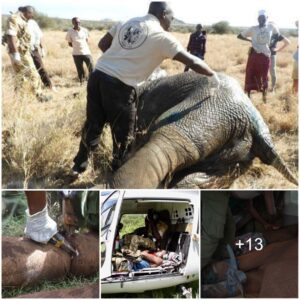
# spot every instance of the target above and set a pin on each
(249, 244)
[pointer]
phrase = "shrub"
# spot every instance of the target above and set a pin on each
(44, 21)
(221, 27)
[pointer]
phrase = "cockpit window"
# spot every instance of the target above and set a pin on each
(108, 210)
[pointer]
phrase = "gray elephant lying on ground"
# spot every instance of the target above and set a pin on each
(198, 136)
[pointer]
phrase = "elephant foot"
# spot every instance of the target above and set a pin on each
(212, 179)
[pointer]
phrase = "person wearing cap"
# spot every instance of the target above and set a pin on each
(197, 43)
(259, 58)
(131, 51)
(19, 44)
(77, 38)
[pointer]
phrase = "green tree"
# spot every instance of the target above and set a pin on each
(44, 21)
(221, 27)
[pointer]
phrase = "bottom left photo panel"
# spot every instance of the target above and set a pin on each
(50, 244)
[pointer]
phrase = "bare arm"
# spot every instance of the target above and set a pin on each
(270, 204)
(154, 260)
(105, 42)
(36, 201)
(254, 213)
(195, 63)
(12, 44)
(285, 43)
(241, 37)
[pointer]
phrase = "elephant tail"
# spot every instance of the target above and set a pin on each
(266, 152)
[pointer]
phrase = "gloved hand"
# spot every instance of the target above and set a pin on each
(43, 52)
(40, 227)
(215, 81)
(16, 58)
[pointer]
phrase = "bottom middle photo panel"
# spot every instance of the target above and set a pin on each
(150, 243)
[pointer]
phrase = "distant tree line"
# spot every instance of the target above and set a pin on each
(49, 23)
(222, 27)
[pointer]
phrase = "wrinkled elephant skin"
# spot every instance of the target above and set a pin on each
(198, 136)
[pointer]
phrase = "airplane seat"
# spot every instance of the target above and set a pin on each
(179, 242)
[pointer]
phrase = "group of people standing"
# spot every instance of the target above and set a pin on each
(261, 57)
(24, 40)
(131, 52)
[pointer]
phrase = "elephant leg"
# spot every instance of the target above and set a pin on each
(164, 154)
(217, 171)
(213, 179)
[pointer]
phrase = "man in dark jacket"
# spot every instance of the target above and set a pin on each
(197, 43)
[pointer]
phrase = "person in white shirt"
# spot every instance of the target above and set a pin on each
(258, 63)
(37, 52)
(131, 52)
(77, 38)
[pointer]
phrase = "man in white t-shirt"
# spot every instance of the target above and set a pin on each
(131, 52)
(77, 38)
(37, 52)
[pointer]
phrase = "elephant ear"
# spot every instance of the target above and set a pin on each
(157, 97)
(193, 94)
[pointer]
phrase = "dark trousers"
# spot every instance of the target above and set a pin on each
(79, 60)
(38, 62)
(108, 100)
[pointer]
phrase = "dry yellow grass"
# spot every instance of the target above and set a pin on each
(41, 139)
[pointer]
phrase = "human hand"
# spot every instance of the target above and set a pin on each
(40, 227)
(16, 58)
(275, 49)
(215, 81)
(43, 52)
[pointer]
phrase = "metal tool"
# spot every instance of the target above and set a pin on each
(69, 219)
(60, 242)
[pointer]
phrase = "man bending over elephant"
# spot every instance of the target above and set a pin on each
(131, 51)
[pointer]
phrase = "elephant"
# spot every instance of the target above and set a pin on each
(197, 135)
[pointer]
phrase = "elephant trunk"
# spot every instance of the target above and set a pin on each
(165, 153)
(279, 164)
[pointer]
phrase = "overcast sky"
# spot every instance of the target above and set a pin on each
(237, 12)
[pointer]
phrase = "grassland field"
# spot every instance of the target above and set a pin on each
(40, 140)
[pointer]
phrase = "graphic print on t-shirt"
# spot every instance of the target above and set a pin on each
(133, 34)
(263, 37)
